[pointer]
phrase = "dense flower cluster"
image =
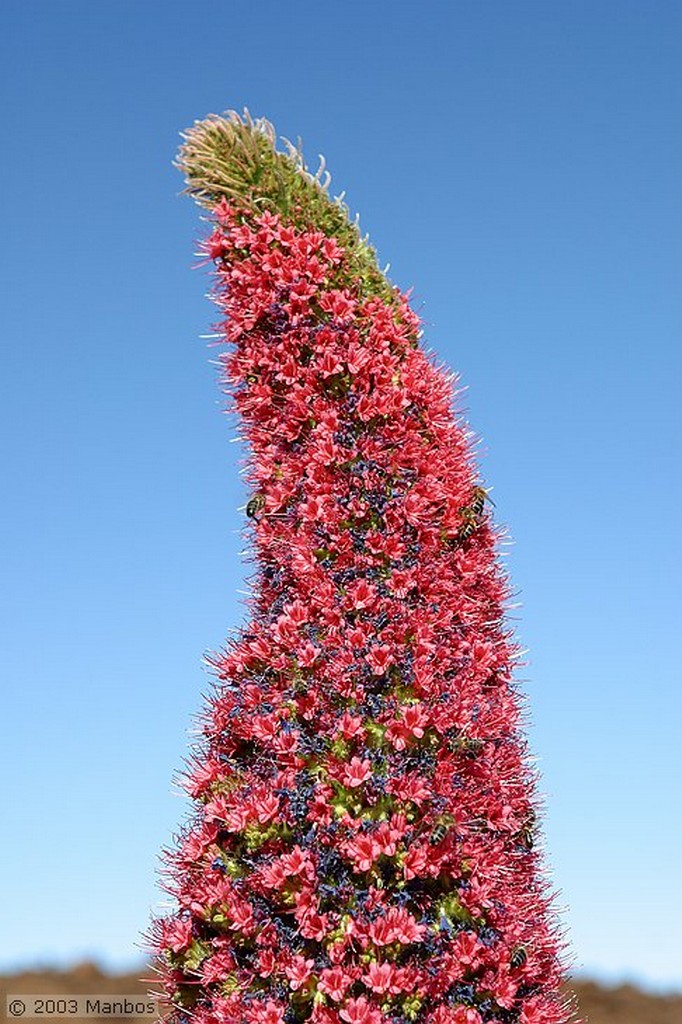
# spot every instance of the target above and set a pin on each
(362, 847)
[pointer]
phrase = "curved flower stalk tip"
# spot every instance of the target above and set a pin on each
(235, 158)
(363, 845)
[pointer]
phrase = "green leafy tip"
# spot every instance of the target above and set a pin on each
(234, 157)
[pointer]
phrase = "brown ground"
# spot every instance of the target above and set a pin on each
(598, 1004)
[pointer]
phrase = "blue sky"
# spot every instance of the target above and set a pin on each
(519, 165)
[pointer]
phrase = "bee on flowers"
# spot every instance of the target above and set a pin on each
(441, 829)
(470, 746)
(472, 514)
(255, 504)
(479, 498)
(518, 958)
(525, 836)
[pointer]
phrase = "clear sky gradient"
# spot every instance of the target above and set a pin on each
(519, 165)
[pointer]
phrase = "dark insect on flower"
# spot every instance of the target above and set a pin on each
(255, 504)
(479, 498)
(472, 514)
(439, 833)
(518, 957)
(219, 865)
(470, 746)
(525, 838)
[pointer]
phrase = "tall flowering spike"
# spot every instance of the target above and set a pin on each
(363, 843)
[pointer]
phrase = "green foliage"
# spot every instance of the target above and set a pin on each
(236, 158)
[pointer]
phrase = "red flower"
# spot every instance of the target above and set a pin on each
(356, 773)
(415, 862)
(268, 1013)
(359, 1011)
(412, 788)
(338, 303)
(363, 851)
(379, 658)
(466, 1015)
(331, 250)
(381, 978)
(504, 990)
(307, 655)
(298, 862)
(266, 963)
(351, 726)
(299, 971)
(467, 949)
(267, 808)
(361, 595)
(334, 982)
(242, 916)
(177, 934)
(363, 732)
(410, 726)
(534, 1012)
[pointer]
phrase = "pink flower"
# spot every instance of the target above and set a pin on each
(404, 925)
(338, 303)
(267, 808)
(467, 949)
(331, 250)
(315, 926)
(483, 656)
(178, 934)
(381, 978)
(334, 982)
(387, 839)
(222, 211)
(298, 862)
(216, 809)
(412, 787)
(216, 245)
(298, 972)
(415, 862)
(411, 725)
(466, 1015)
(501, 816)
(379, 658)
(363, 851)
(269, 1013)
(361, 595)
(307, 655)
(266, 963)
(350, 726)
(329, 364)
(273, 876)
(359, 1011)
(533, 1012)
(215, 968)
(242, 916)
(504, 990)
(356, 773)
